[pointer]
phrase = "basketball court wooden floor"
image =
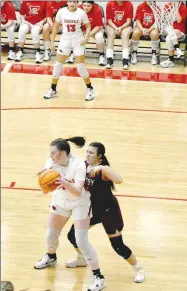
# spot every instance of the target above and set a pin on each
(144, 128)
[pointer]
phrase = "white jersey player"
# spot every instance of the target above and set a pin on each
(71, 18)
(75, 170)
(70, 199)
(72, 22)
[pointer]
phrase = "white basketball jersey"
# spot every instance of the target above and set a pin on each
(76, 170)
(71, 21)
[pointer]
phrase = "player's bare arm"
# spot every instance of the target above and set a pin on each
(87, 33)
(54, 33)
(95, 30)
(178, 16)
(49, 21)
(42, 21)
(111, 24)
(107, 172)
(127, 23)
(74, 189)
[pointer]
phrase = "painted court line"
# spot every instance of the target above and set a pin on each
(118, 195)
(7, 68)
(93, 108)
(12, 184)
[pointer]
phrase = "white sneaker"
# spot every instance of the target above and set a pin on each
(18, 56)
(90, 95)
(179, 53)
(139, 276)
(11, 55)
(154, 59)
(45, 262)
(79, 262)
(38, 58)
(134, 58)
(167, 64)
(98, 284)
(50, 94)
(70, 59)
(47, 55)
(102, 60)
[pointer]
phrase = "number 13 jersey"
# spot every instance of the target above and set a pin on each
(72, 22)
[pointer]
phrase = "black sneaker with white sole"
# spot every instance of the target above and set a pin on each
(125, 64)
(109, 64)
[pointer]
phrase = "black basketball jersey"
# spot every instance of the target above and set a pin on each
(101, 193)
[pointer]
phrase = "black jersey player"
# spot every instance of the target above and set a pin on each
(99, 182)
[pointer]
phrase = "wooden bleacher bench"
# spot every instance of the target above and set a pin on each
(144, 48)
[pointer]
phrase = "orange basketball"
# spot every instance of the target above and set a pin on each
(47, 179)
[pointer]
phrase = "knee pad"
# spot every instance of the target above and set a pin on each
(57, 69)
(120, 248)
(169, 43)
(84, 246)
(81, 237)
(82, 71)
(35, 32)
(71, 237)
(24, 29)
(10, 33)
(52, 238)
(99, 38)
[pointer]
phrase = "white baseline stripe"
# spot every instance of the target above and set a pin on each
(7, 68)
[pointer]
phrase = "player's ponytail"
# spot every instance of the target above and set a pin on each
(63, 144)
(79, 141)
(104, 161)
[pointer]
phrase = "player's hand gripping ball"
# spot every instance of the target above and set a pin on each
(47, 180)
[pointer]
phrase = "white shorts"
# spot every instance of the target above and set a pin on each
(68, 44)
(79, 208)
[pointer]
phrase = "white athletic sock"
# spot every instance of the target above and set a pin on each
(137, 267)
(135, 45)
(46, 44)
(155, 44)
(109, 53)
(125, 53)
